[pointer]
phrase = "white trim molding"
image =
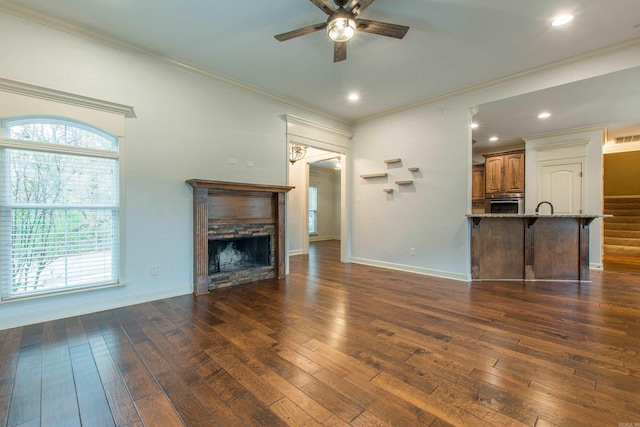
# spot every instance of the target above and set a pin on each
(602, 127)
(40, 92)
(295, 120)
(306, 132)
(611, 147)
(412, 269)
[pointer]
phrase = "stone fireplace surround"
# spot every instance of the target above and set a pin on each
(228, 211)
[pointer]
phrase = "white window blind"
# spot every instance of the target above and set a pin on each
(313, 210)
(59, 206)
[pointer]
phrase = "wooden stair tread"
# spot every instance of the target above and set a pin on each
(622, 241)
(625, 234)
(621, 250)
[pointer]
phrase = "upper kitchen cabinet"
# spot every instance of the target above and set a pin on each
(504, 172)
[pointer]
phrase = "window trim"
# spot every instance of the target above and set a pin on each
(43, 147)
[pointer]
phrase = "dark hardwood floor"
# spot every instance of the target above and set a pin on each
(339, 345)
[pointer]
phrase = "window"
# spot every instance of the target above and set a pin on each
(313, 210)
(59, 206)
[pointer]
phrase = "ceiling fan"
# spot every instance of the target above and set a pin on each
(343, 23)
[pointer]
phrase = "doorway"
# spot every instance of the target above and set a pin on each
(316, 204)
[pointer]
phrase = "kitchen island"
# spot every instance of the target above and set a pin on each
(530, 247)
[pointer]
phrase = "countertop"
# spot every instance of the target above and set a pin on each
(504, 215)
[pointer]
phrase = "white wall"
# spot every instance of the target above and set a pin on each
(429, 215)
(186, 127)
(327, 182)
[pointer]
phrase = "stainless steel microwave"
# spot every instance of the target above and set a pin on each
(510, 205)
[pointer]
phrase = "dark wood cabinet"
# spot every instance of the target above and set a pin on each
(530, 247)
(504, 172)
(477, 183)
(477, 189)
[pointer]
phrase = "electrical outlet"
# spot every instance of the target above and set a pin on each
(412, 251)
(155, 270)
(250, 163)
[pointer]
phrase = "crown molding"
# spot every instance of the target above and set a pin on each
(107, 39)
(295, 120)
(594, 54)
(600, 128)
(569, 144)
(34, 91)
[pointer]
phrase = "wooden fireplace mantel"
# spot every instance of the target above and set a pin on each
(221, 202)
(238, 186)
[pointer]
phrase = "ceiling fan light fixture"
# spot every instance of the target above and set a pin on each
(341, 28)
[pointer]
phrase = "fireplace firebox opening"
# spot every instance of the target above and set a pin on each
(229, 255)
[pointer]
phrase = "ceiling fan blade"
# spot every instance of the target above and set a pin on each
(301, 32)
(357, 6)
(324, 5)
(382, 28)
(339, 51)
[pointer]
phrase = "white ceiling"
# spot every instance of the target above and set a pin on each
(612, 99)
(452, 44)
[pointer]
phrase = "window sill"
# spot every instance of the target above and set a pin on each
(53, 293)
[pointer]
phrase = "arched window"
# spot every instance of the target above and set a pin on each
(59, 201)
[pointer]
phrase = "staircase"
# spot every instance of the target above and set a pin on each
(622, 232)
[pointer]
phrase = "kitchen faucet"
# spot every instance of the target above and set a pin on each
(542, 203)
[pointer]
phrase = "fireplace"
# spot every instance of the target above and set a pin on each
(238, 233)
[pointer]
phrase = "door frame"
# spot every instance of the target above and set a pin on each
(305, 132)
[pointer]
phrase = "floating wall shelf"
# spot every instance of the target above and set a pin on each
(388, 190)
(414, 169)
(393, 160)
(407, 182)
(374, 175)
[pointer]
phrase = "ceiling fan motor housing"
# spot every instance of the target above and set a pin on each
(341, 25)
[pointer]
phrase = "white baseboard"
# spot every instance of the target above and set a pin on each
(595, 266)
(412, 269)
(322, 239)
(82, 308)
(295, 252)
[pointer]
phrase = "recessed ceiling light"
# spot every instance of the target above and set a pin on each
(474, 125)
(561, 20)
(493, 139)
(354, 97)
(544, 115)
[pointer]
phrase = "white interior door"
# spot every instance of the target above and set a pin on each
(562, 186)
